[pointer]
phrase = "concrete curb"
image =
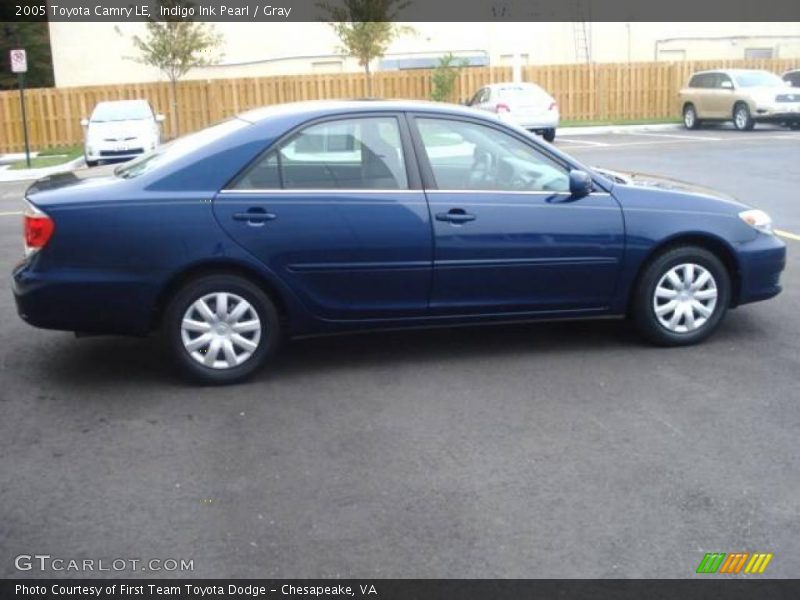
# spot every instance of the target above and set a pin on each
(7, 174)
(605, 129)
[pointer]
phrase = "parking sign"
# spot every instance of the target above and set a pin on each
(19, 61)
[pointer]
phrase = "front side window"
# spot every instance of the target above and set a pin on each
(361, 153)
(469, 156)
(723, 81)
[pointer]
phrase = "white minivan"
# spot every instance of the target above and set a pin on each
(121, 129)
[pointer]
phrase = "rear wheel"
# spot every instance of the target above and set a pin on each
(221, 328)
(549, 135)
(690, 120)
(682, 296)
(742, 119)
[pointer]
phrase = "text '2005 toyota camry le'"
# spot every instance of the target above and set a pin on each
(330, 216)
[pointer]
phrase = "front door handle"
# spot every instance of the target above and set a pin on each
(255, 216)
(456, 216)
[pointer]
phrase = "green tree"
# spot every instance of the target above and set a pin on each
(365, 28)
(444, 77)
(175, 47)
(35, 39)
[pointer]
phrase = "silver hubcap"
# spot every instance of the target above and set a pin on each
(685, 298)
(688, 117)
(741, 118)
(221, 330)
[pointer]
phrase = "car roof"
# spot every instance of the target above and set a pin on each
(129, 102)
(730, 71)
(332, 107)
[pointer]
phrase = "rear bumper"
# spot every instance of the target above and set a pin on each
(85, 302)
(761, 263)
(538, 123)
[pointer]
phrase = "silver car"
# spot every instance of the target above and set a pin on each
(525, 104)
(121, 129)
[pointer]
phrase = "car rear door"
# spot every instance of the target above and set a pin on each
(702, 86)
(509, 237)
(336, 211)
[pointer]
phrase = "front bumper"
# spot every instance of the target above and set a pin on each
(98, 151)
(778, 113)
(761, 263)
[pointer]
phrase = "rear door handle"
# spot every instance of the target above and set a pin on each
(456, 215)
(255, 216)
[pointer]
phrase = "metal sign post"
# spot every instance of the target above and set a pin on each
(19, 65)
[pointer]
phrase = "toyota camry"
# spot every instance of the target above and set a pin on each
(324, 217)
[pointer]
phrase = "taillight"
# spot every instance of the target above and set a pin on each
(38, 229)
(553, 106)
(502, 107)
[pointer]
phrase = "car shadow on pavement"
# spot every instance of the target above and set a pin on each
(106, 360)
(425, 346)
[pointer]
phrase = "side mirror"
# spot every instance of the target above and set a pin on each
(84, 122)
(580, 184)
(160, 118)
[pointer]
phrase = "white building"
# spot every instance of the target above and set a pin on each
(101, 53)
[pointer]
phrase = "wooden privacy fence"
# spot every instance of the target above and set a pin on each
(584, 92)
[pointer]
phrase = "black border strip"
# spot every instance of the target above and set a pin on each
(415, 10)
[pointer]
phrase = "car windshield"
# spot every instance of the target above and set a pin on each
(517, 93)
(121, 111)
(758, 79)
(176, 149)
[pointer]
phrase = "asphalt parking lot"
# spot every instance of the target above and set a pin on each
(548, 450)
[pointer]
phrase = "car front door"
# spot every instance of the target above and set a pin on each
(336, 211)
(721, 98)
(509, 236)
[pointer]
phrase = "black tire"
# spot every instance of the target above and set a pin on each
(92, 163)
(742, 119)
(690, 120)
(549, 135)
(794, 126)
(644, 313)
(260, 302)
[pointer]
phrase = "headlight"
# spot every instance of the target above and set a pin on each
(758, 220)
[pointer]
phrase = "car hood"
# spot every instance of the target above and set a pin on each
(119, 130)
(660, 182)
(692, 196)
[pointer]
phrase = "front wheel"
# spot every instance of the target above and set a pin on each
(681, 297)
(549, 135)
(221, 328)
(742, 119)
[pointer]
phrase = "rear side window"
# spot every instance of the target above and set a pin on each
(361, 153)
(703, 80)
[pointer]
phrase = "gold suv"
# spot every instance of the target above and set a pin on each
(739, 95)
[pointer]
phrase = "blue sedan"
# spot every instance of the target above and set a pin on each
(322, 217)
